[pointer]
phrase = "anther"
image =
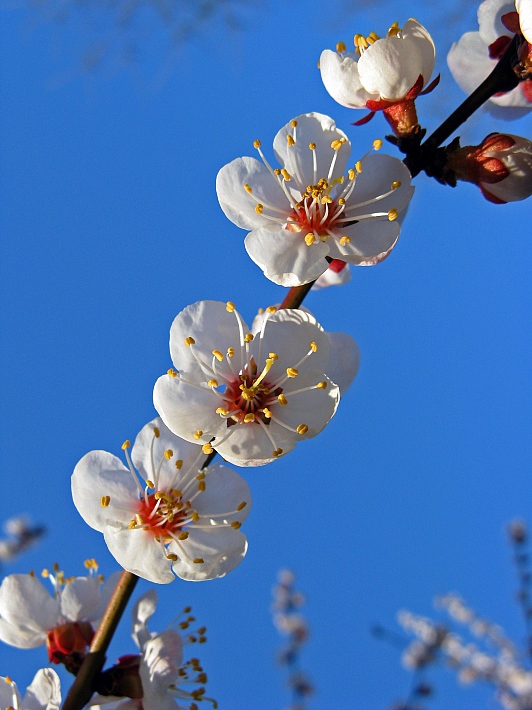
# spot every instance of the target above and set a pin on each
(126, 445)
(250, 417)
(292, 372)
(271, 309)
(286, 174)
(302, 429)
(198, 560)
(277, 452)
(396, 184)
(218, 355)
(248, 337)
(189, 341)
(351, 174)
(322, 385)
(221, 411)
(312, 146)
(198, 434)
(201, 476)
(213, 383)
(309, 239)
(290, 140)
(172, 373)
(171, 556)
(393, 214)
(45, 574)
(358, 166)
(247, 188)
(156, 432)
(207, 449)
(345, 240)
(282, 400)
(183, 535)
(132, 525)
(230, 352)
(259, 209)
(341, 201)
(340, 47)
(313, 346)
(273, 356)
(242, 505)
(168, 454)
(293, 123)
(256, 144)
(149, 483)
(235, 525)
(202, 486)
(277, 171)
(104, 501)
(377, 144)
(194, 516)
(267, 413)
(337, 144)
(179, 464)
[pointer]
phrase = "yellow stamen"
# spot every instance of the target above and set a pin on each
(271, 309)
(340, 47)
(250, 417)
(309, 239)
(235, 525)
(218, 355)
(256, 144)
(313, 346)
(189, 341)
(351, 174)
(247, 188)
(207, 449)
(312, 146)
(322, 385)
(198, 434)
(377, 144)
(277, 171)
(242, 505)
(290, 140)
(126, 445)
(393, 214)
(213, 383)
(171, 556)
(248, 337)
(396, 184)
(293, 123)
(286, 174)
(292, 372)
(230, 352)
(259, 209)
(172, 373)
(183, 535)
(277, 452)
(149, 483)
(267, 413)
(273, 356)
(345, 240)
(358, 166)
(179, 464)
(202, 486)
(168, 454)
(222, 411)
(105, 501)
(282, 400)
(302, 429)
(229, 306)
(198, 561)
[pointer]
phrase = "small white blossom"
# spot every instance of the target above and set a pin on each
(474, 56)
(170, 517)
(251, 394)
(44, 693)
(314, 208)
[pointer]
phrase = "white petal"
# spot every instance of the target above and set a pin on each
(44, 693)
(222, 549)
(98, 474)
(140, 553)
(340, 77)
(391, 67)
(285, 258)
(298, 160)
(489, 19)
(21, 638)
(148, 452)
(379, 171)
(415, 33)
(7, 690)
(142, 611)
(314, 408)
(344, 360)
(225, 491)
(80, 598)
(469, 61)
(518, 159)
(213, 328)
(371, 242)
(288, 333)
(162, 657)
(332, 278)
(249, 445)
(186, 409)
(27, 604)
(524, 8)
(237, 204)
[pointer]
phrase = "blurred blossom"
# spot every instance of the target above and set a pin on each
(44, 693)
(22, 535)
(65, 620)
(155, 679)
(314, 208)
(173, 516)
(474, 56)
(251, 395)
(382, 74)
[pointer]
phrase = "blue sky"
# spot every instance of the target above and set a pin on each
(110, 226)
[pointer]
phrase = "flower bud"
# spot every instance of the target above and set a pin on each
(501, 166)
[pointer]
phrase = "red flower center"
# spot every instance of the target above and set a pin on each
(162, 513)
(247, 399)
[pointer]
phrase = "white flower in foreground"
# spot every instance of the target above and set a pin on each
(152, 680)
(382, 73)
(474, 56)
(172, 515)
(30, 616)
(337, 274)
(44, 693)
(314, 208)
(501, 166)
(524, 9)
(251, 395)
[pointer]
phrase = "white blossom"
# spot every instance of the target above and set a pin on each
(44, 692)
(314, 208)
(253, 394)
(474, 56)
(170, 517)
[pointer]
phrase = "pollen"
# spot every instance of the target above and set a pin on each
(247, 188)
(207, 449)
(290, 140)
(292, 372)
(132, 524)
(242, 505)
(271, 309)
(322, 385)
(179, 464)
(221, 411)
(259, 209)
(172, 373)
(250, 417)
(199, 561)
(235, 525)
(377, 144)
(282, 400)
(277, 452)
(293, 123)
(171, 556)
(312, 146)
(267, 413)
(340, 47)
(337, 144)
(150, 484)
(393, 214)
(286, 174)
(396, 184)
(248, 337)
(341, 201)
(229, 306)
(302, 429)
(105, 501)
(126, 445)
(168, 454)
(202, 486)
(309, 239)
(213, 383)
(218, 355)
(198, 434)
(194, 516)
(230, 352)
(358, 166)
(183, 535)
(345, 240)
(273, 356)
(256, 144)
(277, 171)
(351, 174)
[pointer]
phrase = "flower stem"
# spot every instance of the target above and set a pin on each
(82, 688)
(502, 79)
(296, 295)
